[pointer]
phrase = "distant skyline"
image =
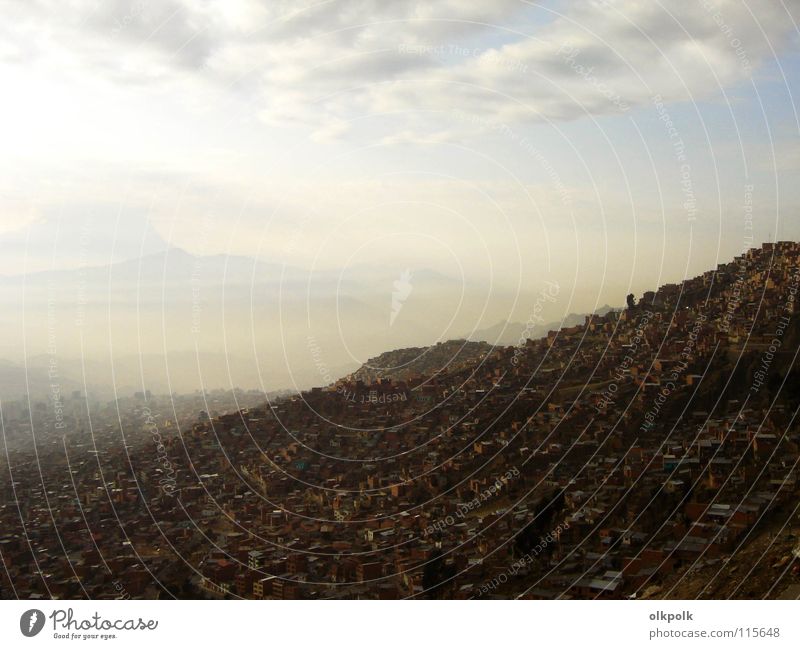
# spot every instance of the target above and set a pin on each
(606, 146)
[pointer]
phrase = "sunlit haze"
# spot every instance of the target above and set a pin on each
(306, 155)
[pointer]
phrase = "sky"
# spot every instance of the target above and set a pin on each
(607, 146)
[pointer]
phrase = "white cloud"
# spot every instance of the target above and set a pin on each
(320, 63)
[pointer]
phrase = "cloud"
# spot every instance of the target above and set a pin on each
(601, 58)
(323, 63)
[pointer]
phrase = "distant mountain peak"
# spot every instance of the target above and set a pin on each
(78, 240)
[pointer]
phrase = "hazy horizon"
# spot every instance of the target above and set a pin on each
(416, 175)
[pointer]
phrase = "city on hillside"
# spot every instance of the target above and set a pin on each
(629, 456)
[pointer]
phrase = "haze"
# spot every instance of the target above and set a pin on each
(209, 194)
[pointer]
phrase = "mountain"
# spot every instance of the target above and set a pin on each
(650, 452)
(71, 240)
(178, 321)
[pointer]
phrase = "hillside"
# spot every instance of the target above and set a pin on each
(650, 452)
(417, 362)
(513, 333)
(636, 454)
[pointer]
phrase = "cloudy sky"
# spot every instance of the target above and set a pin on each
(606, 145)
